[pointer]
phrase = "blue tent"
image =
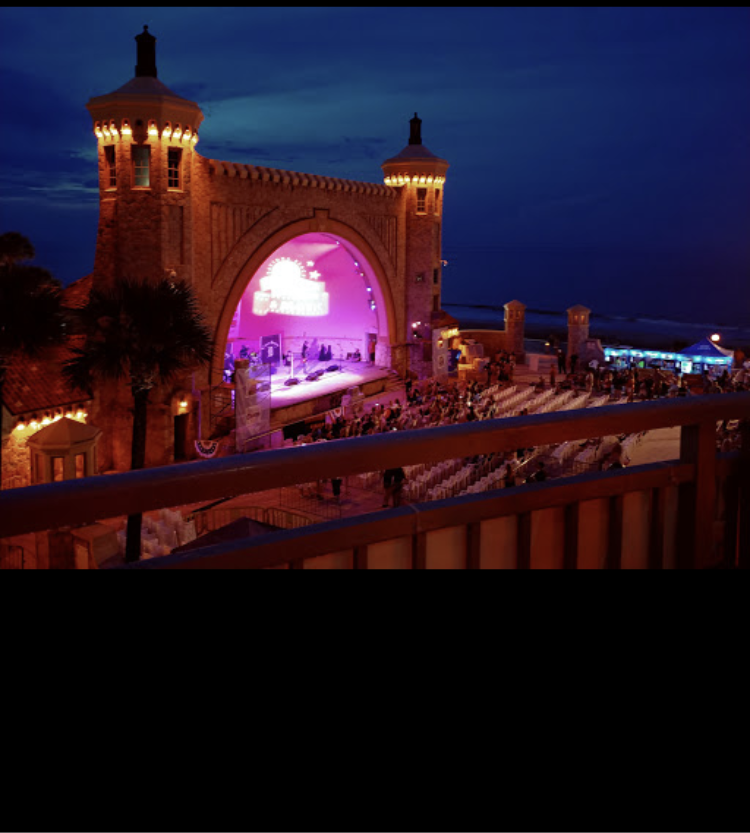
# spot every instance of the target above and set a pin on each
(705, 348)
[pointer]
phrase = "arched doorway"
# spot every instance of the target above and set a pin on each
(315, 293)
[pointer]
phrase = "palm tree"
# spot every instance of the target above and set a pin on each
(149, 333)
(31, 314)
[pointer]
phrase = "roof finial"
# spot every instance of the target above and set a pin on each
(415, 137)
(146, 54)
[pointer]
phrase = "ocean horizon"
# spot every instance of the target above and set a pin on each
(646, 331)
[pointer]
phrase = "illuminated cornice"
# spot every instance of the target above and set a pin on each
(179, 135)
(397, 180)
(259, 173)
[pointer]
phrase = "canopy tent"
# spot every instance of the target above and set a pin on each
(708, 349)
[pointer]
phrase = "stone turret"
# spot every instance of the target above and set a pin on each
(146, 135)
(578, 330)
(419, 175)
(515, 314)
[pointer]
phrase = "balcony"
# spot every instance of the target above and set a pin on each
(693, 512)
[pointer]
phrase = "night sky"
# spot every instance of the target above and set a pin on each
(598, 156)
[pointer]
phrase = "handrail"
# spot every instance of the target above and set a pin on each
(71, 503)
(274, 548)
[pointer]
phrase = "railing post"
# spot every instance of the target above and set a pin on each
(613, 560)
(656, 532)
(697, 499)
(570, 558)
(523, 551)
(359, 558)
(743, 514)
(419, 551)
(473, 543)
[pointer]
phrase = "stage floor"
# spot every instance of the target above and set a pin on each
(351, 374)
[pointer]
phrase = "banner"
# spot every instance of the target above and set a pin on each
(207, 448)
(270, 349)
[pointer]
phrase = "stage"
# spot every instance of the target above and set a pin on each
(294, 403)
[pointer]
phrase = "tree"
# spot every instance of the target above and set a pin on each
(31, 313)
(149, 333)
(14, 247)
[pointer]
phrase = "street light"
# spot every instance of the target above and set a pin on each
(715, 337)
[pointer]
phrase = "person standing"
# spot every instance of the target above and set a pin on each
(399, 480)
(393, 485)
(552, 375)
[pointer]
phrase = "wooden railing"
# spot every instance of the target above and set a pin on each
(661, 514)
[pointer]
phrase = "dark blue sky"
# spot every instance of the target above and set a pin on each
(598, 156)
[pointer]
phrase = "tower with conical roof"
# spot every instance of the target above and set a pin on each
(146, 135)
(420, 177)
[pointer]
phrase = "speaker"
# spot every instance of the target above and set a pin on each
(313, 377)
(292, 381)
(332, 368)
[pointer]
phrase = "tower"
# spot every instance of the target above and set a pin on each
(420, 177)
(578, 329)
(515, 314)
(145, 135)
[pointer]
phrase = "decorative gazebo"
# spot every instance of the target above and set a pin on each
(64, 450)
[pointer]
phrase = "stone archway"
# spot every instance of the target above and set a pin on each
(259, 253)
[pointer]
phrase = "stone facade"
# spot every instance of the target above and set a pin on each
(213, 223)
(493, 341)
(16, 462)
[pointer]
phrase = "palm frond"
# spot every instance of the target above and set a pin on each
(149, 332)
(31, 313)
